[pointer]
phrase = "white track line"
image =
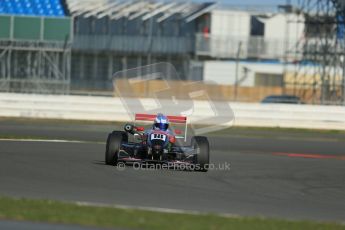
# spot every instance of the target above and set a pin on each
(154, 209)
(173, 211)
(50, 141)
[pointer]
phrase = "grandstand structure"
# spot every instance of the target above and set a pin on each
(113, 35)
(35, 46)
(320, 70)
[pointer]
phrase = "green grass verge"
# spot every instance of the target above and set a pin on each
(108, 217)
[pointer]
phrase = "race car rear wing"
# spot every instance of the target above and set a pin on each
(172, 119)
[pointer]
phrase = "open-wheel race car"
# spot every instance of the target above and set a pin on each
(157, 144)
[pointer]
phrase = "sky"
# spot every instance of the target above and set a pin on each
(252, 2)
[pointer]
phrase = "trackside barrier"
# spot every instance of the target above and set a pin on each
(112, 109)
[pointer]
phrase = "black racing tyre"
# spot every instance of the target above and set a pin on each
(113, 146)
(202, 147)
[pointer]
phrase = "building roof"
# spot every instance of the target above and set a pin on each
(144, 9)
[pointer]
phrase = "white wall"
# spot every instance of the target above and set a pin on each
(230, 23)
(284, 26)
(113, 109)
(224, 72)
(228, 29)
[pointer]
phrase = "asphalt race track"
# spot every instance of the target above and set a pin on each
(288, 175)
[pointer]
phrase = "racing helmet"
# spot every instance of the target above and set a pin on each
(161, 122)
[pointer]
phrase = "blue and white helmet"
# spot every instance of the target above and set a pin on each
(161, 122)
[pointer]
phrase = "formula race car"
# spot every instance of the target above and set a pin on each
(157, 144)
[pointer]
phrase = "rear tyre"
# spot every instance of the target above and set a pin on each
(113, 146)
(202, 148)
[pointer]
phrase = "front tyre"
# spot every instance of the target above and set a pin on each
(113, 146)
(202, 149)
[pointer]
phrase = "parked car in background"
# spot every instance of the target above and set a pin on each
(285, 99)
